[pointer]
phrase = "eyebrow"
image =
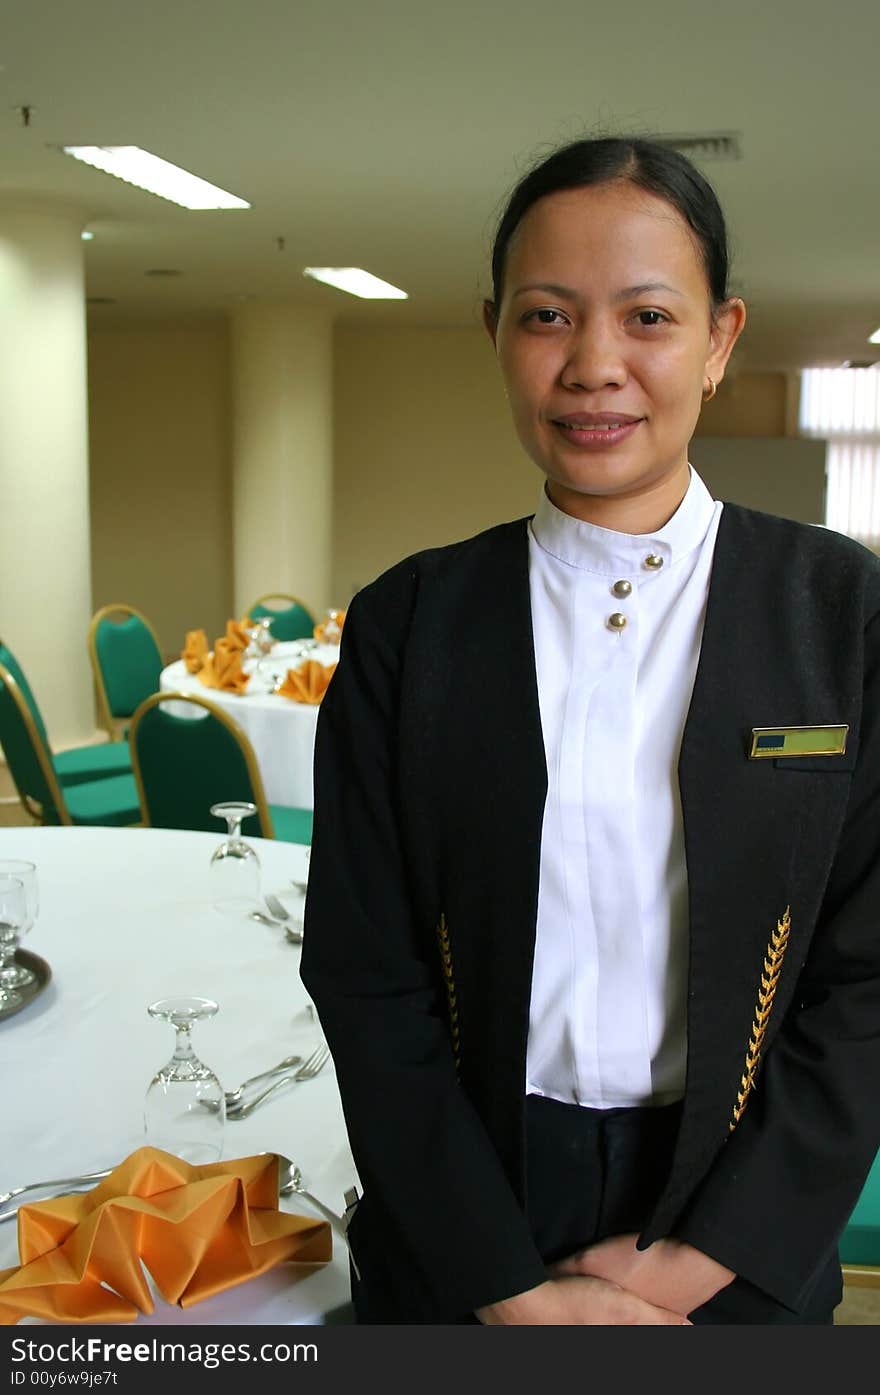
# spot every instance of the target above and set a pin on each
(626, 294)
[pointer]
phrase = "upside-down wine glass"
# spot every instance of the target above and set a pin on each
(13, 975)
(185, 1107)
(235, 866)
(13, 915)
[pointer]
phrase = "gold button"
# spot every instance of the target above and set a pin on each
(653, 561)
(622, 588)
(617, 621)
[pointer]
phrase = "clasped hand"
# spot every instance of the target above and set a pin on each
(614, 1284)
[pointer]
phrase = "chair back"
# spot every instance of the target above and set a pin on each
(183, 765)
(291, 618)
(27, 752)
(13, 667)
(126, 662)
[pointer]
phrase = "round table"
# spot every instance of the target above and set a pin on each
(281, 730)
(126, 916)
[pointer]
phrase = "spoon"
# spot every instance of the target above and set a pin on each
(264, 919)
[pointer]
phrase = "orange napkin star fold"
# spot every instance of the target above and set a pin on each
(308, 683)
(238, 633)
(195, 650)
(223, 669)
(198, 1230)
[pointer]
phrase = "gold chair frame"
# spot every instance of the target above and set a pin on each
(112, 725)
(265, 818)
(277, 596)
(29, 804)
(861, 1275)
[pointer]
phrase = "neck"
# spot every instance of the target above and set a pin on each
(644, 512)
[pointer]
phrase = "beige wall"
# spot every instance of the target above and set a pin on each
(160, 486)
(424, 452)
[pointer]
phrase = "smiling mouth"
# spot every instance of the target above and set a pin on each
(605, 430)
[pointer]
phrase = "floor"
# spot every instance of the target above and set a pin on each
(860, 1306)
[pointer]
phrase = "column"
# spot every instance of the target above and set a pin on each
(45, 568)
(282, 453)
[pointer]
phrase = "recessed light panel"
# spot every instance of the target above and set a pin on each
(155, 175)
(355, 281)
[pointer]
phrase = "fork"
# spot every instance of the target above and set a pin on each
(277, 908)
(78, 1181)
(310, 1067)
(234, 1096)
(291, 927)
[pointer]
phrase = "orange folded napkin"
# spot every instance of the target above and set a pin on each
(223, 670)
(308, 683)
(195, 651)
(238, 633)
(198, 1230)
(319, 632)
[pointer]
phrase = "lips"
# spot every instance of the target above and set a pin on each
(596, 430)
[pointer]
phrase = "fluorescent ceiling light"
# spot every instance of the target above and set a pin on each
(86, 235)
(875, 337)
(157, 176)
(356, 281)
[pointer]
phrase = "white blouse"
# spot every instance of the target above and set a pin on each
(618, 624)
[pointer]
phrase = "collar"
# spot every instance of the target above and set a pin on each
(606, 552)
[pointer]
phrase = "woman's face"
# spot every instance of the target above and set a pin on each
(606, 340)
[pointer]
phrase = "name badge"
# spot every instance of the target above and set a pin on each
(776, 742)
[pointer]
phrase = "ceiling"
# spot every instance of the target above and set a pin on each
(385, 134)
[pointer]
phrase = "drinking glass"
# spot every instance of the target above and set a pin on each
(185, 1107)
(235, 867)
(14, 975)
(332, 627)
(13, 915)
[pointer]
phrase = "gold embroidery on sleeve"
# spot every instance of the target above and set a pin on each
(773, 957)
(449, 980)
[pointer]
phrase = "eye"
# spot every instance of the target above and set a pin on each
(545, 315)
(649, 318)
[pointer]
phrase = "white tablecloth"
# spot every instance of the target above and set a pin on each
(125, 918)
(281, 731)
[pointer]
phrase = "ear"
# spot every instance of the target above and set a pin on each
(727, 326)
(490, 321)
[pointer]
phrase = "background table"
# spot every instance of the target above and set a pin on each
(281, 731)
(125, 918)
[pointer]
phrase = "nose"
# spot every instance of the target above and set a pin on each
(594, 360)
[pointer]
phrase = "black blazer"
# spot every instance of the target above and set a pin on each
(420, 923)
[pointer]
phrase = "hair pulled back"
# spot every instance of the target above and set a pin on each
(658, 169)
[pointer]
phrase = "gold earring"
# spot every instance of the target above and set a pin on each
(709, 392)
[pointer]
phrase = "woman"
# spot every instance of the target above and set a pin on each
(594, 890)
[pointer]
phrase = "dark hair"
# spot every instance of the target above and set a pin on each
(649, 165)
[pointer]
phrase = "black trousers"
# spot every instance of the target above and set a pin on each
(593, 1173)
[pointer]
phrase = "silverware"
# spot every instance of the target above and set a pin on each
(233, 1096)
(300, 886)
(279, 911)
(293, 934)
(264, 919)
(310, 1067)
(63, 1183)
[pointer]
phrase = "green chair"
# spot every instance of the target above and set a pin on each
(112, 800)
(183, 765)
(859, 1246)
(291, 620)
(126, 663)
(80, 764)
